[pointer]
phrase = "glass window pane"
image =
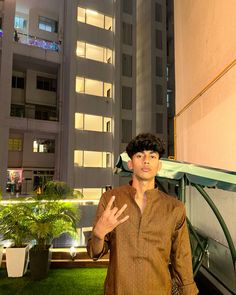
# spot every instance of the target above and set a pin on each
(107, 90)
(93, 87)
(126, 131)
(106, 162)
(78, 158)
(81, 14)
(92, 159)
(80, 50)
(107, 124)
(79, 85)
(93, 123)
(92, 193)
(94, 18)
(159, 123)
(108, 55)
(108, 23)
(79, 121)
(126, 98)
(94, 52)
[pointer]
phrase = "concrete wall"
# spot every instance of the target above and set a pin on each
(38, 96)
(204, 47)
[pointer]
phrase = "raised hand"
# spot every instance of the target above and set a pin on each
(109, 220)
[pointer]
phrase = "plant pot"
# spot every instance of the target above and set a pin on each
(17, 260)
(40, 260)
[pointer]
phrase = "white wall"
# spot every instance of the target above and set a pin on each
(31, 159)
(205, 130)
(34, 30)
(204, 47)
(38, 96)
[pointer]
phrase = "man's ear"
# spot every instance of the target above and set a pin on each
(159, 165)
(130, 164)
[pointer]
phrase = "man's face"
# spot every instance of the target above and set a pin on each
(145, 165)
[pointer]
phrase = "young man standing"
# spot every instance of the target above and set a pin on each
(144, 229)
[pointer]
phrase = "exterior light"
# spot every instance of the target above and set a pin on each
(73, 252)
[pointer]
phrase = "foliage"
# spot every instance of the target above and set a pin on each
(54, 190)
(41, 218)
(13, 223)
(49, 219)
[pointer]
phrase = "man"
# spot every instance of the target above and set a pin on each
(144, 229)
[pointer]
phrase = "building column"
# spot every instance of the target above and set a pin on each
(5, 87)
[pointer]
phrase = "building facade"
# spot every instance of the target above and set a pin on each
(78, 80)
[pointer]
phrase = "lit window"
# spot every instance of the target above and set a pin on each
(92, 122)
(108, 23)
(78, 158)
(107, 90)
(15, 144)
(47, 24)
(93, 87)
(79, 84)
(20, 22)
(79, 121)
(91, 193)
(92, 159)
(44, 146)
(93, 52)
(107, 124)
(81, 14)
(94, 18)
(80, 51)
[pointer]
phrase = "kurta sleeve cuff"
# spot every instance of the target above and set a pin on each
(90, 250)
(190, 289)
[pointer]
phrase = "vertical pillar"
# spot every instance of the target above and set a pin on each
(5, 86)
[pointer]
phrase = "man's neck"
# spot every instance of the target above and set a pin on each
(142, 186)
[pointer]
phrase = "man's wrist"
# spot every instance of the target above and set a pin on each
(98, 235)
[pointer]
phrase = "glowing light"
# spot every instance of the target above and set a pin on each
(91, 12)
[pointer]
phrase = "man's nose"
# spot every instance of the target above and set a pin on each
(146, 159)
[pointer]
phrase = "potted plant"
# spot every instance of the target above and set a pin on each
(49, 218)
(13, 227)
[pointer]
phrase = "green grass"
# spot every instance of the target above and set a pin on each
(75, 281)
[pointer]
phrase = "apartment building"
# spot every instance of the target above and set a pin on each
(78, 80)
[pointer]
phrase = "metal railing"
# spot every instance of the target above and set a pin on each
(36, 41)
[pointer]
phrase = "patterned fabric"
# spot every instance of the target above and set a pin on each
(142, 247)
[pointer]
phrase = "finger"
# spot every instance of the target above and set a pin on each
(122, 209)
(123, 219)
(114, 211)
(109, 205)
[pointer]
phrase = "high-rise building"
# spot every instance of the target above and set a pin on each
(78, 80)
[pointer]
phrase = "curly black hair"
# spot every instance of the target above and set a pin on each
(145, 142)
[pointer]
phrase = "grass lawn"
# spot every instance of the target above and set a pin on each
(73, 281)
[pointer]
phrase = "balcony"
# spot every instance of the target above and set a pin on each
(38, 112)
(36, 42)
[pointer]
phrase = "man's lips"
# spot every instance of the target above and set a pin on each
(145, 169)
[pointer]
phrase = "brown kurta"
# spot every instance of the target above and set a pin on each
(142, 247)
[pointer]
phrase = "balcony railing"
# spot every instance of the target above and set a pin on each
(35, 41)
(34, 112)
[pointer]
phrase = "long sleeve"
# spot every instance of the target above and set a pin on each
(181, 258)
